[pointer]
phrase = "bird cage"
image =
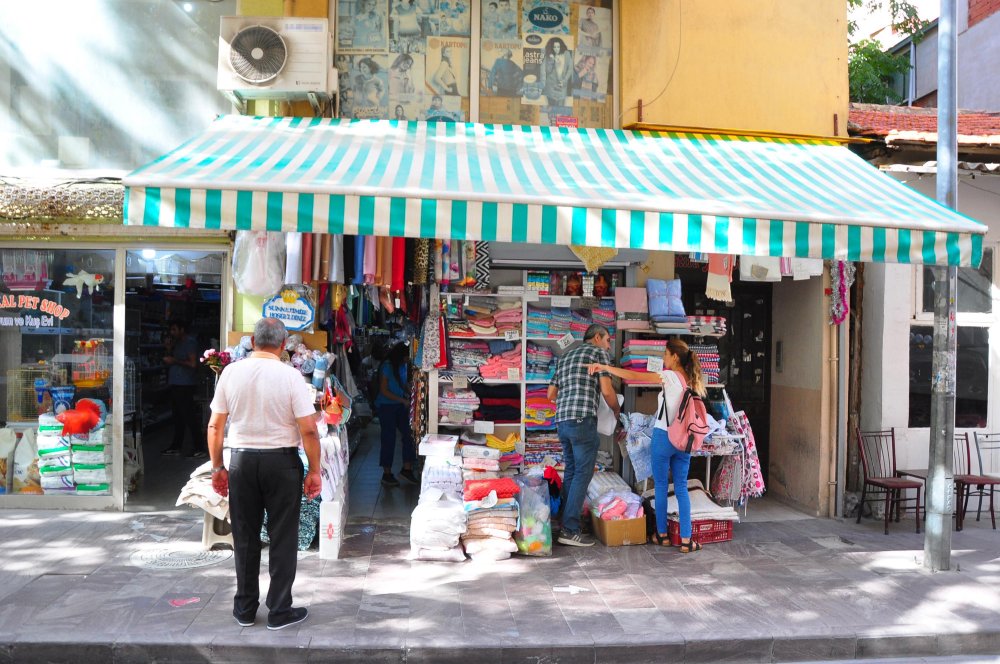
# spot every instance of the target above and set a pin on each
(26, 387)
(91, 366)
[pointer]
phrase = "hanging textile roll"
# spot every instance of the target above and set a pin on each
(387, 264)
(482, 265)
(318, 242)
(354, 259)
(469, 263)
(421, 257)
(336, 273)
(445, 262)
(455, 262)
(380, 251)
(324, 257)
(371, 244)
(437, 271)
(410, 246)
(307, 254)
(398, 264)
(293, 257)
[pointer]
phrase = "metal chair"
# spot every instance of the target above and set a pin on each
(878, 462)
(988, 479)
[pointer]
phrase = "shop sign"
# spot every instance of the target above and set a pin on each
(292, 309)
(545, 17)
(31, 311)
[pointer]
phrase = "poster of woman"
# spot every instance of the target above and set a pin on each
(363, 26)
(447, 66)
(370, 84)
(556, 71)
(594, 27)
(409, 26)
(590, 73)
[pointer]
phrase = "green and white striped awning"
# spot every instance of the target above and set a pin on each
(598, 187)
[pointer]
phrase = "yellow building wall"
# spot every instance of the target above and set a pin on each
(751, 65)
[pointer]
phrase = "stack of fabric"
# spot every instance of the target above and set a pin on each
(541, 362)
(468, 356)
(500, 404)
(480, 462)
(638, 352)
(715, 325)
(542, 448)
(508, 317)
(538, 321)
(539, 410)
(498, 367)
(459, 328)
(666, 309)
(560, 323)
(505, 445)
(580, 320)
(604, 313)
(510, 464)
(490, 522)
(708, 356)
(457, 406)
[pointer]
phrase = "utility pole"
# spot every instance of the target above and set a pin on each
(940, 479)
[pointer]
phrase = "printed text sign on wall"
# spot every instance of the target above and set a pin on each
(24, 306)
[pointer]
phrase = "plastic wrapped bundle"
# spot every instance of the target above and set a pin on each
(436, 524)
(534, 533)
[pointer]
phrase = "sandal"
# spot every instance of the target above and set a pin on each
(660, 540)
(690, 546)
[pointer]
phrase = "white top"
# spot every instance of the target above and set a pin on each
(674, 390)
(263, 398)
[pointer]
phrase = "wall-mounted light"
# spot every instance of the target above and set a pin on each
(148, 254)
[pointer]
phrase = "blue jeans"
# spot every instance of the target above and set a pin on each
(665, 458)
(393, 417)
(579, 445)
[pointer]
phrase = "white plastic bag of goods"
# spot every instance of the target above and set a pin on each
(26, 478)
(259, 262)
(332, 521)
(8, 441)
(90, 473)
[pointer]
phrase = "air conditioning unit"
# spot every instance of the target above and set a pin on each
(265, 57)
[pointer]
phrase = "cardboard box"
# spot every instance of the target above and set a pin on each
(620, 533)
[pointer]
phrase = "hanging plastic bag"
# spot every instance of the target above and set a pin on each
(259, 262)
(534, 534)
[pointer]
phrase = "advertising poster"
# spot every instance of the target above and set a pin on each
(454, 18)
(503, 65)
(549, 17)
(406, 75)
(500, 20)
(590, 73)
(548, 70)
(409, 26)
(363, 26)
(370, 86)
(447, 66)
(593, 27)
(443, 109)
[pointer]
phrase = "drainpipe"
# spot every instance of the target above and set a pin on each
(842, 406)
(912, 93)
(940, 482)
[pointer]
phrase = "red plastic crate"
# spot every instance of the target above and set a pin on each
(704, 532)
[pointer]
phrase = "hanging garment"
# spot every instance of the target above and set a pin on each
(454, 262)
(293, 257)
(408, 265)
(469, 263)
(348, 242)
(307, 254)
(371, 259)
(360, 242)
(318, 242)
(398, 281)
(324, 257)
(445, 262)
(720, 276)
(336, 271)
(380, 255)
(760, 268)
(483, 265)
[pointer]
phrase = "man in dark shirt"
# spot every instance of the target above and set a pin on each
(576, 393)
(506, 77)
(182, 379)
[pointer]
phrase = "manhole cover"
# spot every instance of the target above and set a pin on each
(178, 558)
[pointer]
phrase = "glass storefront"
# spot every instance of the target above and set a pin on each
(56, 350)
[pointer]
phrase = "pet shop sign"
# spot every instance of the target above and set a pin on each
(32, 311)
(292, 309)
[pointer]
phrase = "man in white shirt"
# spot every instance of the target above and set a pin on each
(269, 410)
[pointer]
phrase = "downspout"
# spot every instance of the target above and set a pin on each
(842, 408)
(833, 415)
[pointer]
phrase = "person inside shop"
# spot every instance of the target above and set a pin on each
(576, 391)
(181, 359)
(270, 411)
(681, 368)
(392, 406)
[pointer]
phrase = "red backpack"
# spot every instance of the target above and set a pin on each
(688, 430)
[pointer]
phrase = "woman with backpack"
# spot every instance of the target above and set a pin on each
(392, 405)
(681, 370)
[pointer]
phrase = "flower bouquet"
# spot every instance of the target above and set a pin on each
(216, 360)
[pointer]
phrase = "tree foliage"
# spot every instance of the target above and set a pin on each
(870, 68)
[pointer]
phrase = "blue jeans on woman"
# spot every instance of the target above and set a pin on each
(580, 442)
(393, 417)
(665, 458)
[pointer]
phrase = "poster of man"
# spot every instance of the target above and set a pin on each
(444, 109)
(447, 66)
(594, 27)
(370, 83)
(503, 64)
(363, 26)
(454, 18)
(499, 20)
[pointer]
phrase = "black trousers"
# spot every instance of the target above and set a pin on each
(265, 480)
(185, 418)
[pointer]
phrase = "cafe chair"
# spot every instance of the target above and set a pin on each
(986, 483)
(878, 463)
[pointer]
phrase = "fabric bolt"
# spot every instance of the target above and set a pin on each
(398, 280)
(307, 254)
(666, 457)
(358, 276)
(325, 251)
(483, 264)
(336, 273)
(370, 259)
(580, 443)
(317, 247)
(445, 263)
(421, 260)
(293, 258)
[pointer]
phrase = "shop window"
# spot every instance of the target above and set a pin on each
(56, 339)
(541, 62)
(972, 376)
(975, 288)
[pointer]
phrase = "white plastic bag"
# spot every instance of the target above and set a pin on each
(259, 262)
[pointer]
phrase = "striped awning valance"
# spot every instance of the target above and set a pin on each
(597, 187)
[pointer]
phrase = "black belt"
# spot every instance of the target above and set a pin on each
(266, 450)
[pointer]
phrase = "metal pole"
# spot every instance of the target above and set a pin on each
(940, 482)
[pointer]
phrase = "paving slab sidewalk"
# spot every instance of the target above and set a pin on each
(811, 589)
